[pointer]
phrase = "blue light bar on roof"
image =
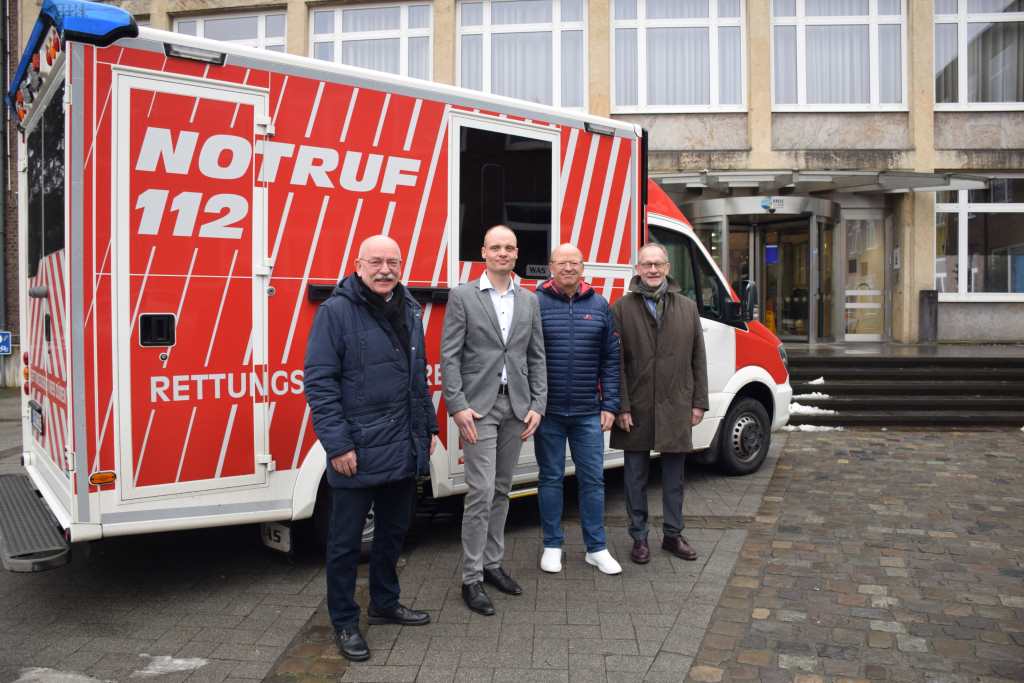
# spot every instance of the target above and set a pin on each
(75, 20)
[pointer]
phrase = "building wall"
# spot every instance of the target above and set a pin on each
(918, 139)
(992, 322)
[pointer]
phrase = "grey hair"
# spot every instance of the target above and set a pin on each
(657, 245)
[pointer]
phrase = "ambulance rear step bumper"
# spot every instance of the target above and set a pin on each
(30, 537)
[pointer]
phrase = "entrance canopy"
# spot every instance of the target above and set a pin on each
(806, 182)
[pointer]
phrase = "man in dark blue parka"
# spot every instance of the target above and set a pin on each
(583, 397)
(366, 385)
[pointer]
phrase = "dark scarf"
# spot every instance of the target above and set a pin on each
(657, 295)
(390, 311)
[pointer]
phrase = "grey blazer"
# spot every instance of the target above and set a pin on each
(472, 353)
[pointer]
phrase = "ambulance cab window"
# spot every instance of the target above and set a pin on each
(678, 249)
(505, 179)
(712, 293)
(45, 161)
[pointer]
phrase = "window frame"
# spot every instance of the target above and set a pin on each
(477, 121)
(261, 41)
(961, 19)
(872, 20)
(403, 33)
(555, 27)
(962, 208)
(712, 22)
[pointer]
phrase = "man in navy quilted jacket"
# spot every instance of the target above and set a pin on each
(366, 385)
(583, 399)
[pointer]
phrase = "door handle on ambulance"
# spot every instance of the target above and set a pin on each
(39, 292)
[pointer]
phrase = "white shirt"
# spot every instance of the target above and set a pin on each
(504, 307)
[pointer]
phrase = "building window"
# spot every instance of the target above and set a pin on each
(678, 55)
(531, 49)
(839, 55)
(979, 242)
(979, 54)
(392, 38)
(264, 30)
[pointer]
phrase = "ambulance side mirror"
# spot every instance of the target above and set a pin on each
(748, 300)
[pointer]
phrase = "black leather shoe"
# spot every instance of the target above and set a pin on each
(397, 615)
(500, 579)
(351, 644)
(476, 598)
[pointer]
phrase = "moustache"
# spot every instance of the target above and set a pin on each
(384, 278)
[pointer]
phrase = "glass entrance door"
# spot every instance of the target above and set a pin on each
(826, 281)
(864, 280)
(786, 254)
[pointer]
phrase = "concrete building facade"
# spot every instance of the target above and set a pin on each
(845, 155)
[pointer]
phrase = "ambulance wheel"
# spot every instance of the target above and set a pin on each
(745, 436)
(322, 522)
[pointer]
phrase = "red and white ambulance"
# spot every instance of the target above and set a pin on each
(185, 205)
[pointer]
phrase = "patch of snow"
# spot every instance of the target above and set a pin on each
(811, 428)
(813, 394)
(820, 380)
(158, 666)
(800, 409)
(44, 675)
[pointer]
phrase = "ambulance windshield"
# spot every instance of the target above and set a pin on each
(45, 161)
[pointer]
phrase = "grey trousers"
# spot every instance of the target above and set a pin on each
(489, 464)
(636, 470)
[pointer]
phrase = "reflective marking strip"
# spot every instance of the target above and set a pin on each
(152, 98)
(184, 446)
(103, 110)
(281, 226)
(195, 105)
(567, 163)
(302, 437)
(412, 125)
(581, 206)
(380, 121)
(277, 107)
(351, 237)
(602, 211)
(220, 308)
(305, 279)
(316, 108)
(441, 129)
(387, 218)
(348, 114)
(142, 449)
(234, 116)
(620, 223)
(181, 301)
(103, 432)
(227, 439)
(142, 290)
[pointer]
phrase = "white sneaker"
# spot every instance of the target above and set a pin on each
(604, 561)
(551, 560)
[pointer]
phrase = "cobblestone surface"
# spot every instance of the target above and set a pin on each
(881, 556)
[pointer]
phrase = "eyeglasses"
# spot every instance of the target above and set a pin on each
(376, 263)
(646, 265)
(567, 264)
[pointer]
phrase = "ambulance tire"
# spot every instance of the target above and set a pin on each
(744, 438)
(322, 523)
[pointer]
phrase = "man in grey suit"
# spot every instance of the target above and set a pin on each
(495, 387)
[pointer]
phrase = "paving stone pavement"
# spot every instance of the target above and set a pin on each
(880, 556)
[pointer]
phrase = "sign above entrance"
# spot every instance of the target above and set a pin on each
(773, 204)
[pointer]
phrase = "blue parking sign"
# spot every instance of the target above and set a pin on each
(5, 343)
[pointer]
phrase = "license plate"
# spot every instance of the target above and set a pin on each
(36, 415)
(277, 536)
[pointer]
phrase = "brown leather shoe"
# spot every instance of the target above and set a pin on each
(641, 554)
(678, 546)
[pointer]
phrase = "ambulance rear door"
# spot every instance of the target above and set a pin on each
(190, 285)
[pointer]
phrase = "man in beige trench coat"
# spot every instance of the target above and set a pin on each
(664, 389)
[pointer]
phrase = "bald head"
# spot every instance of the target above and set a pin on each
(566, 266)
(500, 251)
(379, 263)
(499, 232)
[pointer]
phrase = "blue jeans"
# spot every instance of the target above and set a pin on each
(586, 443)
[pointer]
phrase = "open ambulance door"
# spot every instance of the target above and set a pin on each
(190, 285)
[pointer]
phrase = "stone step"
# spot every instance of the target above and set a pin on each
(914, 418)
(898, 402)
(889, 386)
